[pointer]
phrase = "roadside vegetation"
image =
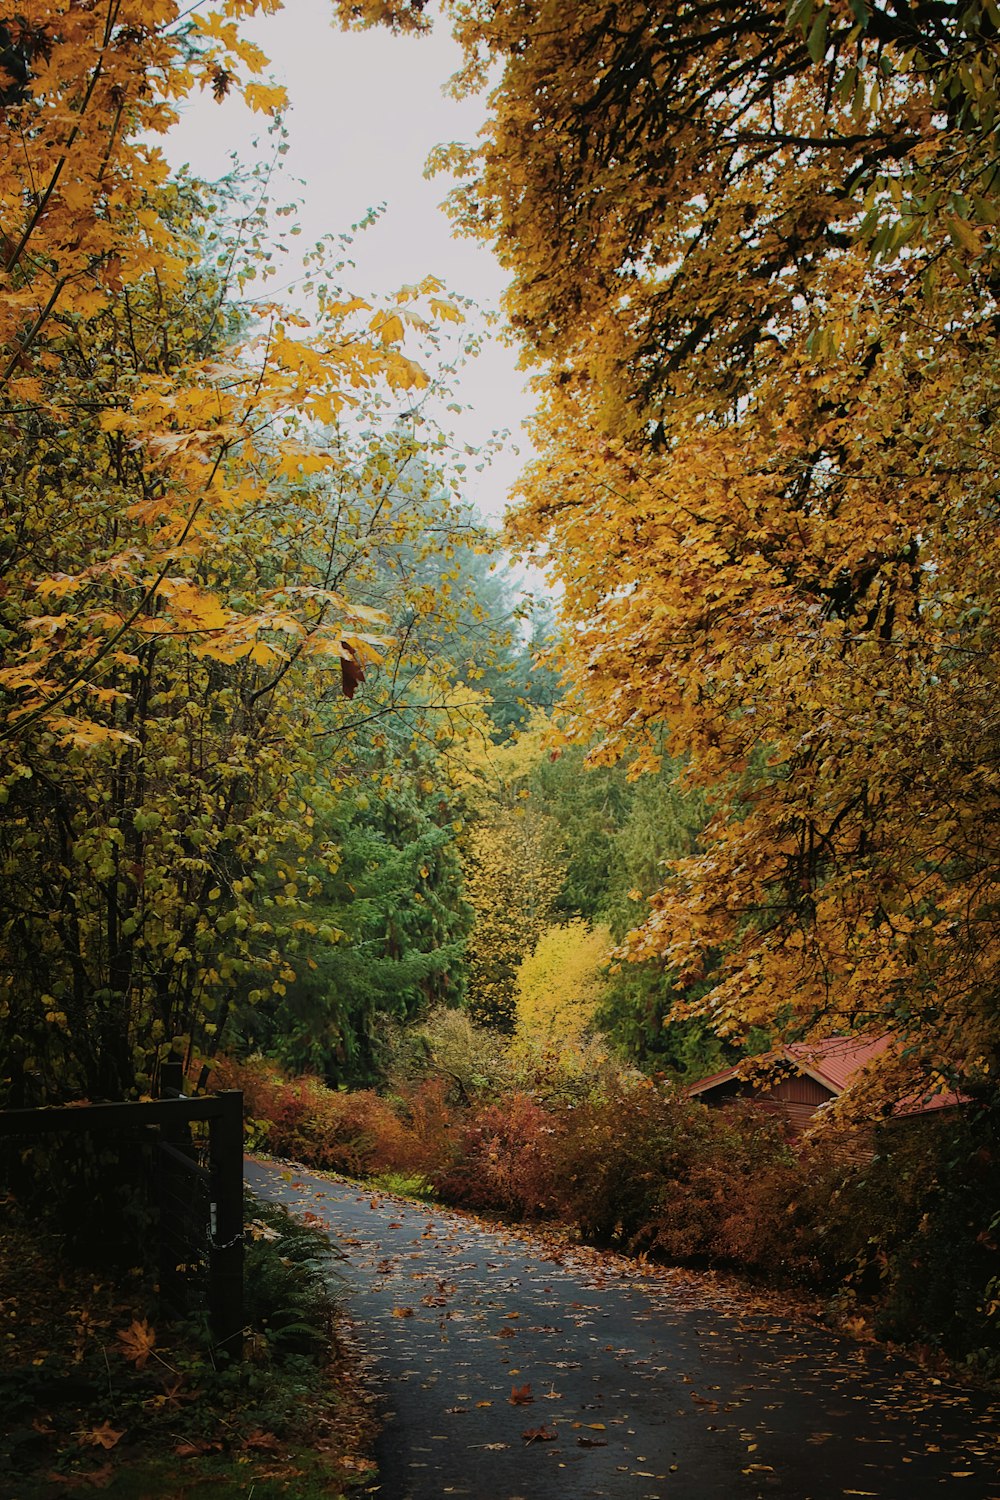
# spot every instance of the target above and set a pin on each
(102, 1390)
(892, 1224)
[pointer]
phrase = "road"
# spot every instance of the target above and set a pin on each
(509, 1369)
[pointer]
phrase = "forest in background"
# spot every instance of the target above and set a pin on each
(287, 762)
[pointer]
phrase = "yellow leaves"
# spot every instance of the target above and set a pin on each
(447, 312)
(59, 585)
(558, 986)
(389, 327)
(191, 606)
(266, 99)
(363, 613)
(49, 625)
(85, 734)
(116, 420)
(263, 654)
(300, 459)
(404, 374)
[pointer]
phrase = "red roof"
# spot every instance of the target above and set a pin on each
(835, 1062)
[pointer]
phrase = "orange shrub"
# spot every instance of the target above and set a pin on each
(730, 1196)
(506, 1160)
(301, 1118)
(433, 1130)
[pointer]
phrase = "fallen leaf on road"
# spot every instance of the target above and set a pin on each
(402, 1312)
(520, 1395)
(541, 1434)
(588, 1442)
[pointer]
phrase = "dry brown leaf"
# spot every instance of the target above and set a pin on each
(262, 1442)
(104, 1436)
(137, 1342)
(520, 1395)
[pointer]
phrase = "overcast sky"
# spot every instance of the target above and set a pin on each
(366, 109)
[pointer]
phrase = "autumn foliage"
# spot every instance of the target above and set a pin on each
(753, 259)
(188, 499)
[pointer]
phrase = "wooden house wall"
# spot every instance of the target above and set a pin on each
(796, 1098)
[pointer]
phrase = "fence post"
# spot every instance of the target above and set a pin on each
(225, 1260)
(177, 1134)
(171, 1078)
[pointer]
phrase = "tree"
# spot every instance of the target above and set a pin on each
(513, 871)
(184, 500)
(559, 984)
(753, 254)
(385, 925)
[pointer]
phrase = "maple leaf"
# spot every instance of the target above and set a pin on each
(263, 1442)
(137, 1342)
(104, 1436)
(520, 1395)
(352, 672)
(193, 1447)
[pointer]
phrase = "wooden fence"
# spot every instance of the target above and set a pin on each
(220, 1182)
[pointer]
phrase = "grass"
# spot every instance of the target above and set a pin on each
(405, 1185)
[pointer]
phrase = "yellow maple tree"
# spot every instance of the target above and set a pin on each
(559, 984)
(189, 490)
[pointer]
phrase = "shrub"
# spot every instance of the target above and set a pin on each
(612, 1158)
(507, 1159)
(433, 1137)
(447, 1044)
(728, 1199)
(354, 1133)
(916, 1229)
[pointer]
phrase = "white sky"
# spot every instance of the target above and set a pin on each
(366, 109)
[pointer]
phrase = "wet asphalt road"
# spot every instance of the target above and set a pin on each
(508, 1370)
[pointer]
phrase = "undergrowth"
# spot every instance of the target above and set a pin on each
(98, 1388)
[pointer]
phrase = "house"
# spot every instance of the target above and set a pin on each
(809, 1075)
